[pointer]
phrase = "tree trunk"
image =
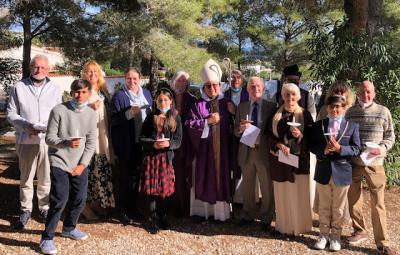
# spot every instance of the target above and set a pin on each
(27, 45)
(131, 50)
(153, 74)
(375, 13)
(240, 52)
(357, 12)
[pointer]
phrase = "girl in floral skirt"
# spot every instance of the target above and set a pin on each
(161, 134)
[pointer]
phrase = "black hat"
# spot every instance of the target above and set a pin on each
(292, 70)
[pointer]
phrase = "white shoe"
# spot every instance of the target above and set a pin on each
(321, 243)
(334, 244)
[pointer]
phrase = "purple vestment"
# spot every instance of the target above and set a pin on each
(206, 188)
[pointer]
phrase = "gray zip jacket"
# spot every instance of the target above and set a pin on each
(31, 105)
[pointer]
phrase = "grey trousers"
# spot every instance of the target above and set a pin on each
(256, 166)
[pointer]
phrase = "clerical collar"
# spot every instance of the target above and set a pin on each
(206, 98)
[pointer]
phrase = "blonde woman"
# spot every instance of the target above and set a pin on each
(100, 186)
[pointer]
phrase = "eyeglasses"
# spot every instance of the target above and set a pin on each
(214, 85)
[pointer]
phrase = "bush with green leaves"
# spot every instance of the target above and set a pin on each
(9, 73)
(338, 54)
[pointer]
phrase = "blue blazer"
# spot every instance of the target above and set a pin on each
(337, 165)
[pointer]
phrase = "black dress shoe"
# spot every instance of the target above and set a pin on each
(43, 215)
(197, 219)
(23, 220)
(164, 224)
(154, 228)
(244, 222)
(266, 227)
(124, 218)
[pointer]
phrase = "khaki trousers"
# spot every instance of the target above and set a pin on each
(33, 159)
(376, 180)
(332, 201)
(255, 166)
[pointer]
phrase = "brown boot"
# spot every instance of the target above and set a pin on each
(98, 210)
(357, 237)
(88, 213)
(385, 250)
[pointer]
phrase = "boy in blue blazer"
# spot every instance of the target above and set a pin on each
(335, 140)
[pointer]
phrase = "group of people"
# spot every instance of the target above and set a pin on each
(211, 157)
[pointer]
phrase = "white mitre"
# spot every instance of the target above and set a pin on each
(211, 72)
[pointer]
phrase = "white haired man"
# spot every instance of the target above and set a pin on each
(376, 127)
(31, 101)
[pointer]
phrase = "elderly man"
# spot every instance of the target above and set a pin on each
(236, 94)
(252, 159)
(208, 129)
(31, 101)
(376, 128)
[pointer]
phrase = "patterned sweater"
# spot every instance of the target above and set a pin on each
(376, 126)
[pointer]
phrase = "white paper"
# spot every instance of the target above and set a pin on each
(367, 158)
(250, 135)
(206, 130)
(40, 127)
(290, 159)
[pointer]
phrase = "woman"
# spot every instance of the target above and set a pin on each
(100, 185)
(291, 184)
(182, 159)
(161, 135)
(209, 133)
(338, 88)
(129, 108)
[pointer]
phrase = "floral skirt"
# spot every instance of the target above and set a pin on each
(157, 177)
(100, 185)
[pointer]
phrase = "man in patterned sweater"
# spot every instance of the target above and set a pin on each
(376, 126)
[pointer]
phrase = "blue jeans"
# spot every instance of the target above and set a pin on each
(66, 191)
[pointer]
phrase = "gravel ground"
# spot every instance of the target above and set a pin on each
(185, 237)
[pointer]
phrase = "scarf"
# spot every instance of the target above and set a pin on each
(236, 90)
(298, 114)
(138, 99)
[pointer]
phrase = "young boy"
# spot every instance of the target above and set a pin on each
(71, 136)
(335, 140)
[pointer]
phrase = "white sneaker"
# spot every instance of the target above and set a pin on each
(334, 244)
(320, 244)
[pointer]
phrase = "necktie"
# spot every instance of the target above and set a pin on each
(254, 114)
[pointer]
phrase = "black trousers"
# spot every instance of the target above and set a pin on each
(128, 187)
(67, 192)
(157, 206)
